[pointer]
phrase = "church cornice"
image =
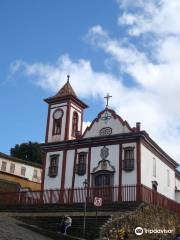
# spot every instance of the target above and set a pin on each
(58, 99)
(148, 140)
(111, 140)
(93, 140)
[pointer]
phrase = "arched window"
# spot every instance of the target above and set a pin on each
(74, 124)
(53, 166)
(57, 121)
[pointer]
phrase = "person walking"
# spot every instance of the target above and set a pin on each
(68, 223)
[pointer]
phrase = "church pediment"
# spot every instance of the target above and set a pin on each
(104, 165)
(107, 123)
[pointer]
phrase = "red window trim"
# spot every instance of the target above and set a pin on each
(53, 166)
(77, 121)
(81, 166)
(55, 120)
(128, 162)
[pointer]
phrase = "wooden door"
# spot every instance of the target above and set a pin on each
(103, 187)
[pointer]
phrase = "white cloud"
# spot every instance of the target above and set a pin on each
(129, 19)
(132, 104)
(154, 98)
(126, 54)
(155, 16)
(154, 68)
(85, 81)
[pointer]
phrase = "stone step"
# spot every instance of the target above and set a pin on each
(51, 221)
(53, 224)
(68, 208)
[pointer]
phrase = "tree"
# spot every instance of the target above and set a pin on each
(28, 151)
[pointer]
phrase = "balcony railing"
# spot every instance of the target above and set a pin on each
(127, 193)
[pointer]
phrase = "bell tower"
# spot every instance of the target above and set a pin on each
(65, 115)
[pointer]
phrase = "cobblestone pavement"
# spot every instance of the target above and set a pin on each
(9, 230)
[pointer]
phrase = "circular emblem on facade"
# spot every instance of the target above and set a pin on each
(104, 153)
(105, 131)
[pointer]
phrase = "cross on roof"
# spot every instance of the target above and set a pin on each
(68, 77)
(107, 99)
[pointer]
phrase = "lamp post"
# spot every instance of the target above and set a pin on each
(85, 183)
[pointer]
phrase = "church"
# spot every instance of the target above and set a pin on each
(109, 154)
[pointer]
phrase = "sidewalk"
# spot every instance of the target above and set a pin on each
(9, 230)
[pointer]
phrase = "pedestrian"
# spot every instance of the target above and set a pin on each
(62, 225)
(68, 223)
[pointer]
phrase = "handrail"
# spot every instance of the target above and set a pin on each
(115, 194)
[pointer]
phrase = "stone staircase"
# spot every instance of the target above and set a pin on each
(115, 207)
(52, 224)
(49, 216)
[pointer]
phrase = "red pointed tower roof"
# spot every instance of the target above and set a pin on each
(65, 93)
(66, 90)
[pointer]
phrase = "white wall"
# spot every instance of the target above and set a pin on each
(115, 124)
(73, 109)
(53, 182)
(55, 138)
(28, 173)
(63, 106)
(161, 173)
(113, 158)
(129, 178)
(69, 168)
(80, 179)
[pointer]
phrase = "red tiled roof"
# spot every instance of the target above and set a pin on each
(66, 90)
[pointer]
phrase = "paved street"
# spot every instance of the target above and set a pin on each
(9, 230)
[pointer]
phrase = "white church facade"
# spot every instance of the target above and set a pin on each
(109, 153)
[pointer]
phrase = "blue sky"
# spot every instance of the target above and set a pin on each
(130, 49)
(38, 31)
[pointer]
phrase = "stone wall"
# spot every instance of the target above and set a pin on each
(148, 218)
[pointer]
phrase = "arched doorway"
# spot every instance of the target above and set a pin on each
(103, 179)
(103, 185)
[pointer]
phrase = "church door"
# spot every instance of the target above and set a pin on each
(103, 186)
